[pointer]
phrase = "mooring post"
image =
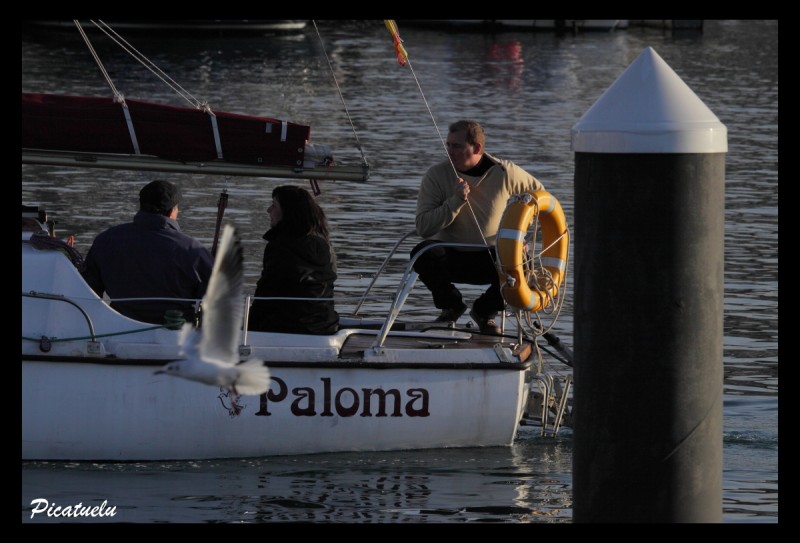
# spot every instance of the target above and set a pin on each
(649, 224)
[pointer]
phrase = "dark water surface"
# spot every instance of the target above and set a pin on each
(528, 90)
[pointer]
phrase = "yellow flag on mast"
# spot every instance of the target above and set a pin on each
(399, 50)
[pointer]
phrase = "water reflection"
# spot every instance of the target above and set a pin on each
(461, 485)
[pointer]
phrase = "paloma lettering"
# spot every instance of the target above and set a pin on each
(40, 505)
(346, 401)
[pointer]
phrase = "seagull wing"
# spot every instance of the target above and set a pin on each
(223, 303)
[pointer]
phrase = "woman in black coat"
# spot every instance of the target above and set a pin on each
(299, 262)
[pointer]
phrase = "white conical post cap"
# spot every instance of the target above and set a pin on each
(649, 109)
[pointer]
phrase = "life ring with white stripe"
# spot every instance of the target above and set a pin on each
(520, 211)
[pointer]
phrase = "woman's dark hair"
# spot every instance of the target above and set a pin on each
(301, 213)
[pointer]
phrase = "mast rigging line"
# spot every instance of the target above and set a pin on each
(339, 91)
(403, 59)
(141, 58)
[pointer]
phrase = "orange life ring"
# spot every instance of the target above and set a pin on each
(520, 211)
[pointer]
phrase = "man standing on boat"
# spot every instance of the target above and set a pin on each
(461, 200)
(150, 258)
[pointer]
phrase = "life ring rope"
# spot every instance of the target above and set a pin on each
(531, 282)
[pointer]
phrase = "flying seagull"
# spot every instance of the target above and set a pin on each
(211, 353)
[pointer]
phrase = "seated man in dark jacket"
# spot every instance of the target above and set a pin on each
(150, 257)
(299, 262)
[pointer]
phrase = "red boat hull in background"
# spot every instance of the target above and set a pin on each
(98, 125)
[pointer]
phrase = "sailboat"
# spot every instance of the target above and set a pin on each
(119, 133)
(89, 388)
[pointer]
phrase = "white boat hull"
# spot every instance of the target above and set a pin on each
(90, 392)
(79, 411)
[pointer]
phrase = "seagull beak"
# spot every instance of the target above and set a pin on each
(159, 372)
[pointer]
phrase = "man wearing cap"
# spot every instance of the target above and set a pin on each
(150, 257)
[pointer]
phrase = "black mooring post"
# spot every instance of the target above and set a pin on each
(649, 218)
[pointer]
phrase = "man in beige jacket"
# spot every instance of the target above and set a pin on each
(461, 200)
